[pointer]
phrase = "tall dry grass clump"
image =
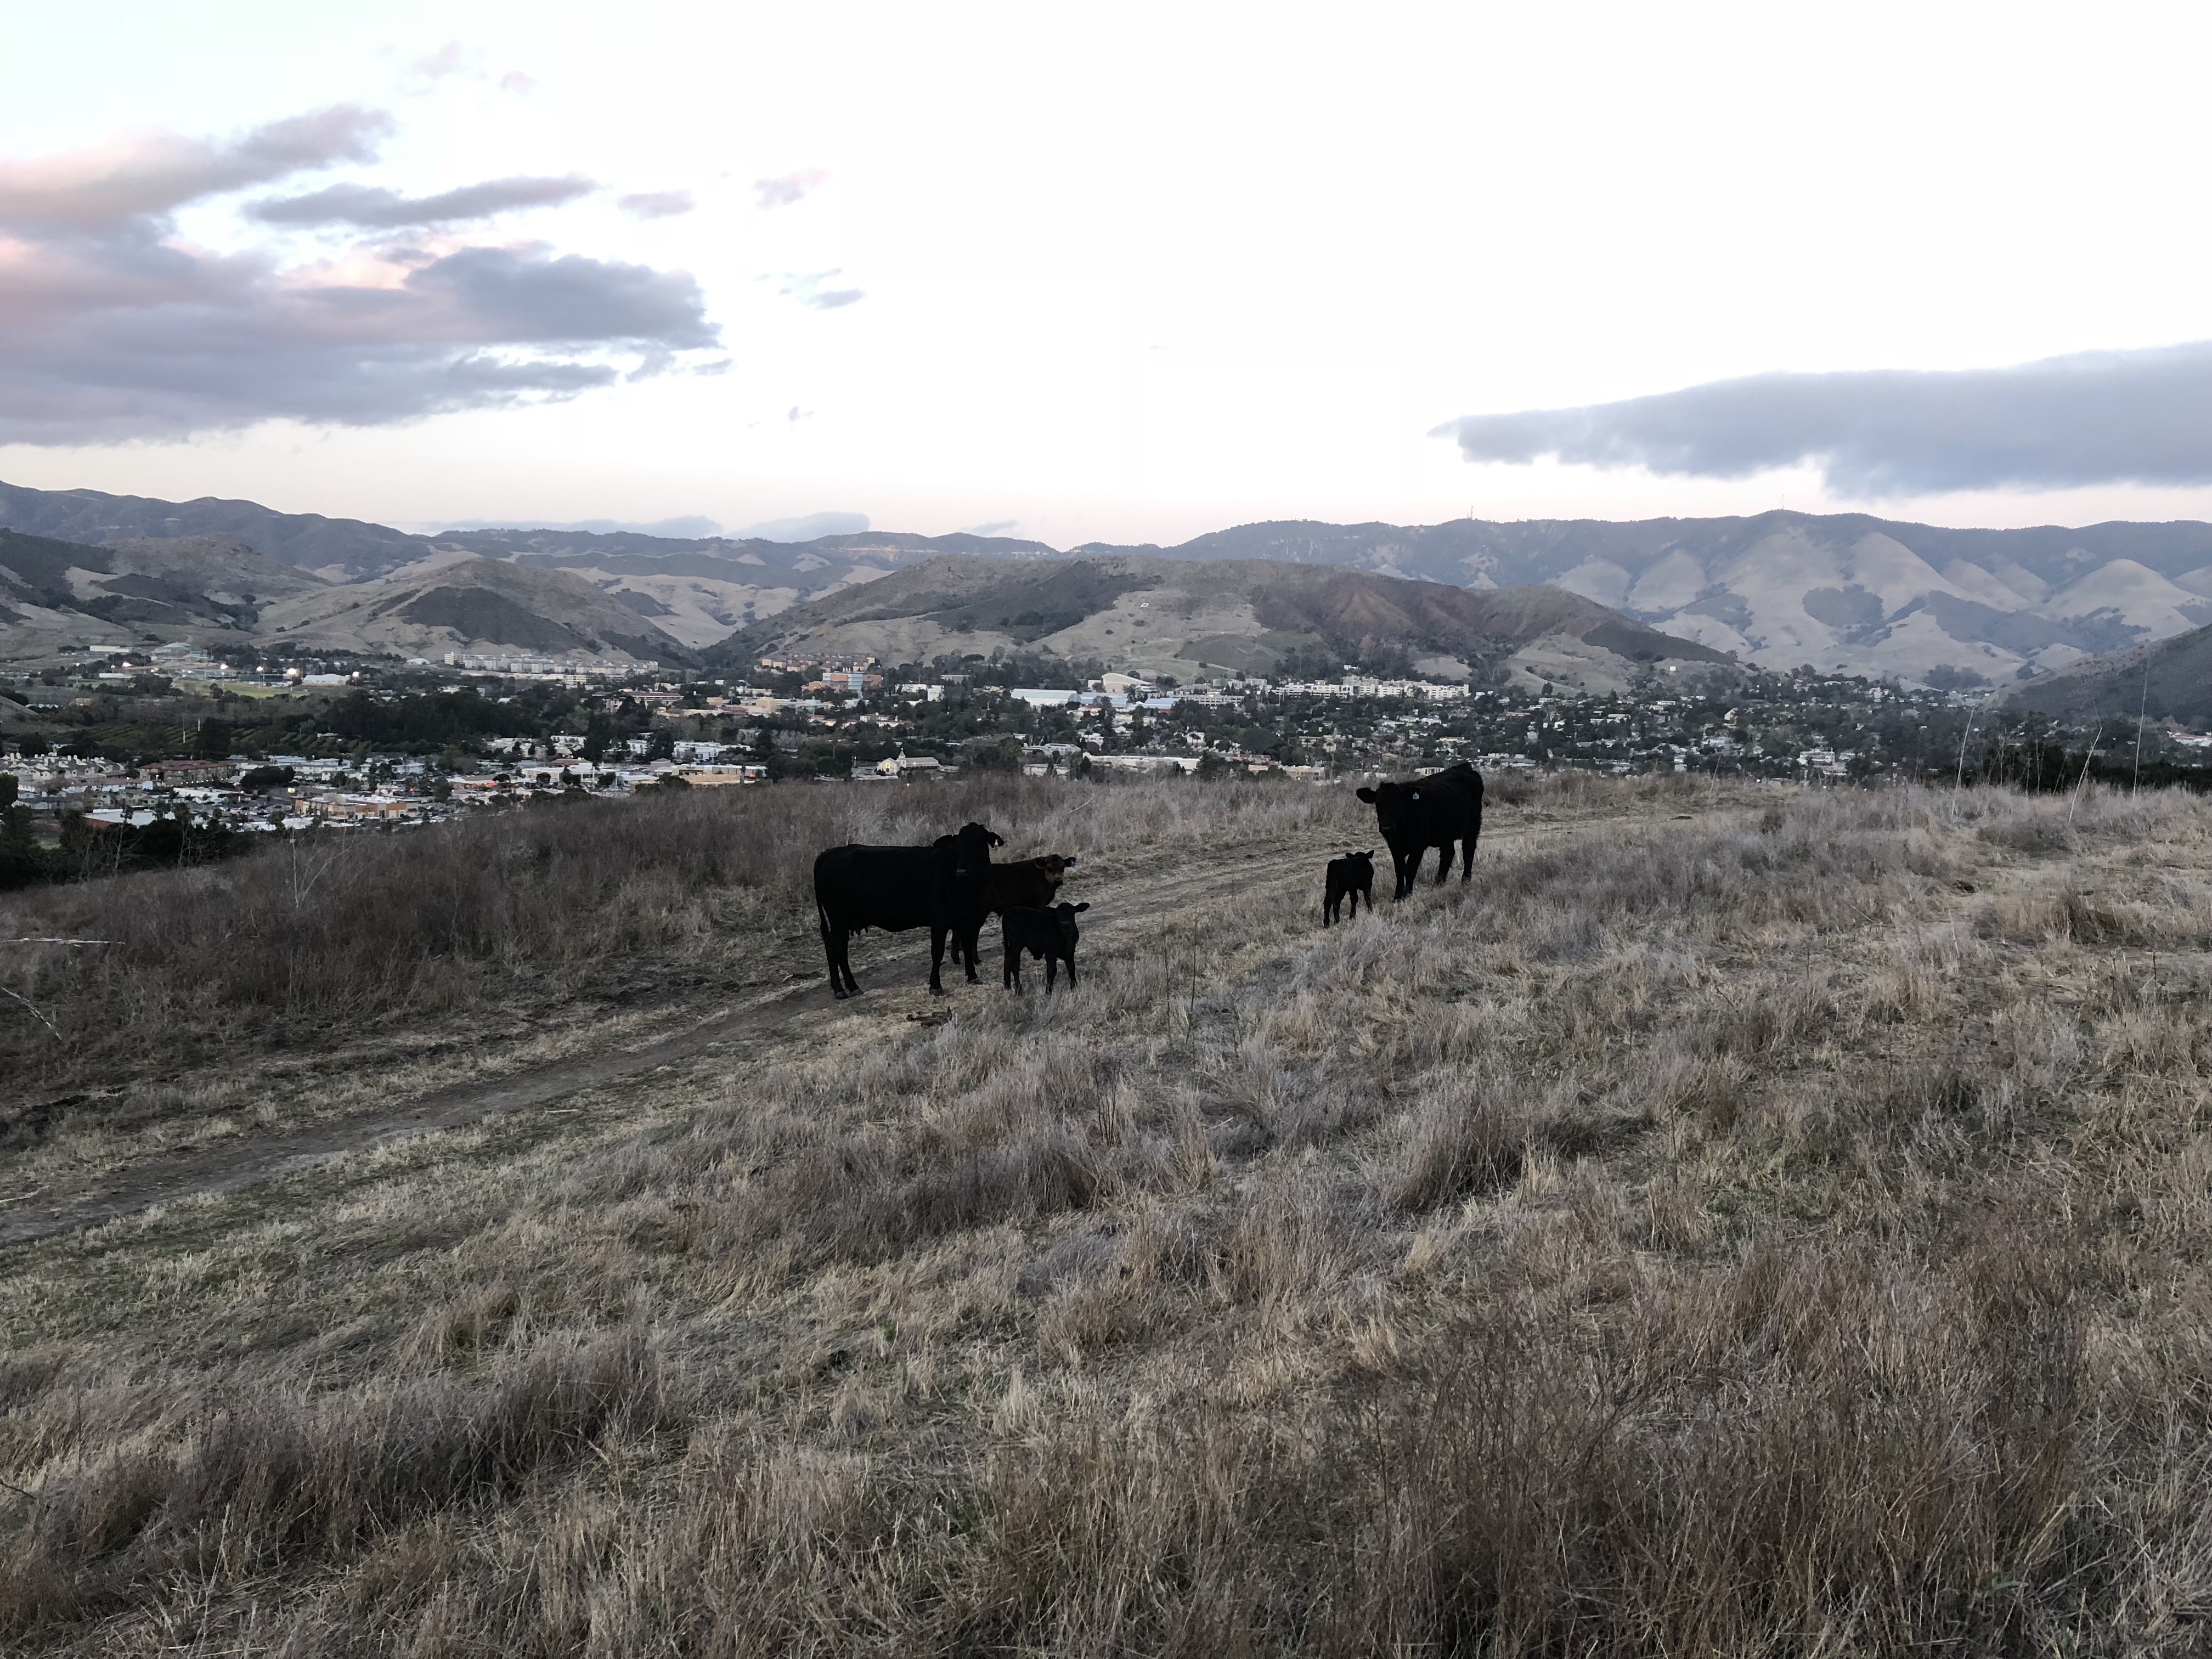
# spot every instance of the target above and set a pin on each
(1782, 1231)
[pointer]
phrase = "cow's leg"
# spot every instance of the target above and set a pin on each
(971, 944)
(1328, 908)
(937, 936)
(833, 946)
(1071, 970)
(1051, 968)
(1010, 976)
(1444, 863)
(1466, 858)
(1354, 897)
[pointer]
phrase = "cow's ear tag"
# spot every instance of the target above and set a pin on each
(1416, 794)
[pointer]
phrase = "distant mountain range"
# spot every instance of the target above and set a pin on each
(696, 591)
(1845, 590)
(1186, 618)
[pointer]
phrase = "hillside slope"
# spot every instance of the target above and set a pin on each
(700, 590)
(463, 603)
(213, 590)
(1844, 591)
(1164, 616)
(205, 588)
(2169, 680)
(342, 550)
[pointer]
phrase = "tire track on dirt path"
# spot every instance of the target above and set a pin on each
(232, 1165)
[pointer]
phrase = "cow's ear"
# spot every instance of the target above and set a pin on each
(1364, 794)
(1085, 905)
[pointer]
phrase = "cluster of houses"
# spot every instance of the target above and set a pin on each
(299, 792)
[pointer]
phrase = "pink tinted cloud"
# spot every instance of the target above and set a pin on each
(112, 328)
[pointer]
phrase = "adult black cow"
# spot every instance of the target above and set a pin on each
(942, 888)
(1438, 811)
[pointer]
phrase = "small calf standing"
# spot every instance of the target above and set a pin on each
(1353, 874)
(1048, 934)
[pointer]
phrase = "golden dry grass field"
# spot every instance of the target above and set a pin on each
(1741, 1221)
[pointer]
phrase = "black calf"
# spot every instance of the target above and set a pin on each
(1354, 875)
(1048, 934)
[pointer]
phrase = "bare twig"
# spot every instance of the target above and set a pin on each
(35, 1014)
(60, 941)
(2083, 783)
(2142, 708)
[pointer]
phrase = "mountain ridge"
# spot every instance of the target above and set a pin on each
(1852, 592)
(1190, 616)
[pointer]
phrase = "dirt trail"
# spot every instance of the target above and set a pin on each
(1125, 901)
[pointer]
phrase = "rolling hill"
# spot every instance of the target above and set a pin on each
(2168, 680)
(700, 591)
(1845, 590)
(1161, 616)
(461, 602)
(56, 593)
(211, 590)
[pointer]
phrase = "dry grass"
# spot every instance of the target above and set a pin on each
(1778, 1232)
(338, 936)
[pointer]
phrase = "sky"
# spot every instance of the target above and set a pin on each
(1120, 274)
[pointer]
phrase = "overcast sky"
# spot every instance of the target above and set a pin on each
(1125, 273)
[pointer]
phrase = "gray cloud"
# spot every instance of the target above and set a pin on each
(996, 527)
(792, 187)
(657, 204)
(806, 288)
(368, 205)
(2096, 418)
(811, 528)
(103, 190)
(110, 331)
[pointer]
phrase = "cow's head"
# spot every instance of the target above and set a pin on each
(1394, 803)
(970, 853)
(1068, 913)
(1367, 857)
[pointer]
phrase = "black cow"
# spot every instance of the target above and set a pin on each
(1031, 882)
(941, 888)
(1436, 812)
(1048, 934)
(1353, 875)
